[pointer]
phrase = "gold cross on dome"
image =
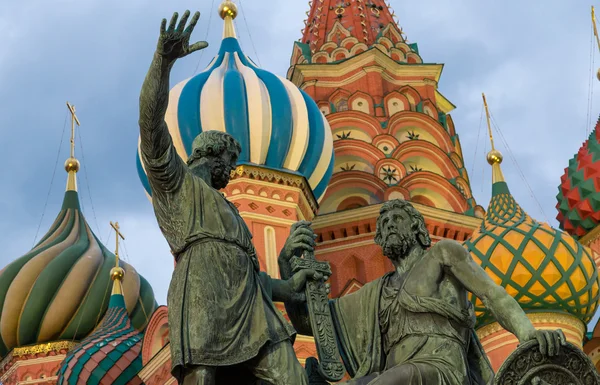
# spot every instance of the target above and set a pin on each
(118, 234)
(74, 120)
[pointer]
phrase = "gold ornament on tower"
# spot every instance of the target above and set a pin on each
(72, 165)
(228, 8)
(494, 157)
(117, 273)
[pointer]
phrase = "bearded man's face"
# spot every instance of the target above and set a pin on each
(221, 168)
(398, 237)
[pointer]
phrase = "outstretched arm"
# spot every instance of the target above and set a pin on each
(173, 44)
(504, 307)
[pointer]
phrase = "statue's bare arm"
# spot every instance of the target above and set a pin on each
(507, 311)
(173, 44)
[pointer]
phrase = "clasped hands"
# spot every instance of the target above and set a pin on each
(301, 239)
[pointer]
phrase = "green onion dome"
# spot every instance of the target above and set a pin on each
(544, 269)
(61, 289)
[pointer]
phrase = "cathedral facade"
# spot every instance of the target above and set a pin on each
(359, 120)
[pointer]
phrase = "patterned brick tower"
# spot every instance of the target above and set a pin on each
(393, 136)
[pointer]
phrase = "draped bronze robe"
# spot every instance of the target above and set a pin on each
(362, 342)
(220, 311)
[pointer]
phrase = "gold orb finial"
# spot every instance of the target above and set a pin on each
(494, 157)
(117, 273)
(598, 74)
(72, 164)
(228, 8)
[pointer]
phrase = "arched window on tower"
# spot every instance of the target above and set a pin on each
(342, 105)
(352, 203)
(271, 252)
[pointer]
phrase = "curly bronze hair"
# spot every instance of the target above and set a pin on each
(213, 144)
(418, 222)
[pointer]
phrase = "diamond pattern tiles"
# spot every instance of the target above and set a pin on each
(111, 355)
(579, 192)
(542, 268)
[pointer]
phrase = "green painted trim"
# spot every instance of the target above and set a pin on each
(419, 107)
(305, 49)
(443, 120)
(414, 47)
(71, 201)
(116, 300)
(500, 188)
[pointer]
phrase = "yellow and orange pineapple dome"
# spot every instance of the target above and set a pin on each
(543, 268)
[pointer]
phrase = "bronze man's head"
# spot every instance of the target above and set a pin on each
(218, 151)
(400, 227)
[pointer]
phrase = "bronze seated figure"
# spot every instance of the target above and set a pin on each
(415, 324)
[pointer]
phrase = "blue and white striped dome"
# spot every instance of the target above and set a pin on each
(278, 125)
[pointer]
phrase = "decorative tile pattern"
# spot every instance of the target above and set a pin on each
(541, 267)
(579, 192)
(111, 355)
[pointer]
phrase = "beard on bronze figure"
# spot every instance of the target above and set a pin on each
(398, 243)
(220, 172)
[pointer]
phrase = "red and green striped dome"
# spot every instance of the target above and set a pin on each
(579, 192)
(109, 356)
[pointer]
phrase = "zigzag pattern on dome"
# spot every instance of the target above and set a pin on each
(111, 355)
(579, 192)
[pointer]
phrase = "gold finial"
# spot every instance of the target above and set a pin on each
(596, 34)
(494, 157)
(228, 8)
(228, 11)
(72, 164)
(117, 273)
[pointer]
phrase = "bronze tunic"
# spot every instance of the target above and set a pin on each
(219, 311)
(428, 334)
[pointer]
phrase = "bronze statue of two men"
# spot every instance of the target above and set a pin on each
(412, 326)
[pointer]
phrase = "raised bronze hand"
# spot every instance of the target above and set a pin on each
(174, 41)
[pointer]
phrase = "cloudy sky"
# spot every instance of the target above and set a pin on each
(532, 59)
